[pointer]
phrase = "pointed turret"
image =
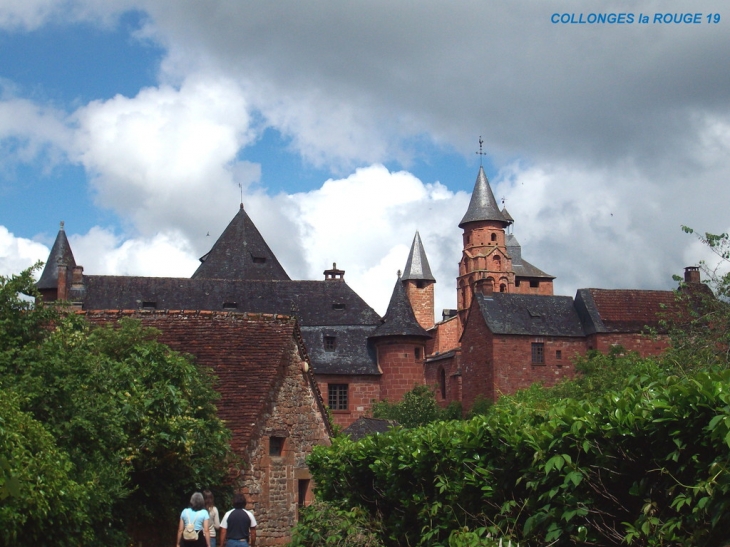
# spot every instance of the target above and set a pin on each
(417, 264)
(399, 320)
(61, 255)
(240, 253)
(507, 216)
(482, 205)
(418, 282)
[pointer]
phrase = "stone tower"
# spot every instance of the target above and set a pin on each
(419, 284)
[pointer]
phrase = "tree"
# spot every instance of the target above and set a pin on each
(134, 421)
(418, 407)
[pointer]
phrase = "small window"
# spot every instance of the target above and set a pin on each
(420, 284)
(558, 354)
(330, 343)
(259, 260)
(503, 288)
(337, 396)
(149, 305)
(517, 282)
(534, 284)
(338, 306)
(494, 237)
(276, 446)
(538, 353)
(230, 305)
(417, 353)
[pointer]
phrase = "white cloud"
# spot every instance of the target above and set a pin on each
(17, 253)
(167, 157)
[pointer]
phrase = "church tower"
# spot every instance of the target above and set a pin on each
(485, 264)
(418, 282)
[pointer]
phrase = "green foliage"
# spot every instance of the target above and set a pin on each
(646, 463)
(133, 423)
(324, 524)
(417, 408)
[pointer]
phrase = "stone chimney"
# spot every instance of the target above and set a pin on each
(62, 288)
(692, 274)
(334, 273)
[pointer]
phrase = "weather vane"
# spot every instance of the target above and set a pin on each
(480, 153)
(241, 188)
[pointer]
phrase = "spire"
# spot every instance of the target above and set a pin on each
(399, 320)
(417, 264)
(60, 254)
(482, 205)
(507, 216)
(240, 253)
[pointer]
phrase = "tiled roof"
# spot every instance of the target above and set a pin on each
(613, 310)
(482, 205)
(417, 264)
(399, 320)
(362, 427)
(313, 302)
(520, 266)
(60, 252)
(240, 253)
(348, 353)
(248, 352)
(530, 314)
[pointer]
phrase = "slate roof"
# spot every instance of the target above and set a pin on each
(240, 253)
(530, 314)
(352, 354)
(616, 310)
(399, 320)
(507, 216)
(313, 302)
(362, 427)
(60, 252)
(417, 264)
(482, 205)
(520, 266)
(249, 354)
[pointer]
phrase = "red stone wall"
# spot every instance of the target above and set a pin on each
(402, 371)
(273, 482)
(514, 369)
(642, 344)
(445, 336)
(361, 392)
(421, 301)
(476, 363)
(544, 288)
(432, 373)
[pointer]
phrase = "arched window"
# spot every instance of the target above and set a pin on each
(503, 288)
(442, 382)
(494, 237)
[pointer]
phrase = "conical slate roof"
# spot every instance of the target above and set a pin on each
(482, 205)
(417, 264)
(507, 216)
(60, 253)
(240, 253)
(399, 320)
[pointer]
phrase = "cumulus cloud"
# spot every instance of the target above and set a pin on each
(18, 253)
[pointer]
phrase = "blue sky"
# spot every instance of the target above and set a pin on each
(349, 127)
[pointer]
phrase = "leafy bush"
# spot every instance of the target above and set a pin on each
(324, 524)
(417, 408)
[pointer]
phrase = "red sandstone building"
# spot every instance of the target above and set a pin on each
(507, 332)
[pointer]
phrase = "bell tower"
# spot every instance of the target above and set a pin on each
(485, 264)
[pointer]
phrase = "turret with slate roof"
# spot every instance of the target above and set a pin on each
(419, 284)
(60, 259)
(240, 253)
(400, 345)
(482, 205)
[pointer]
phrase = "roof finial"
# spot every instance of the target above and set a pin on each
(480, 153)
(241, 188)
(62, 226)
(399, 274)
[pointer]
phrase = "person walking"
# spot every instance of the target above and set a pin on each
(197, 516)
(238, 527)
(215, 521)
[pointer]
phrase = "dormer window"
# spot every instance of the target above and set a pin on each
(259, 260)
(230, 305)
(149, 305)
(338, 306)
(330, 343)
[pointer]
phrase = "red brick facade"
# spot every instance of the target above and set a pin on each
(420, 294)
(361, 392)
(401, 361)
